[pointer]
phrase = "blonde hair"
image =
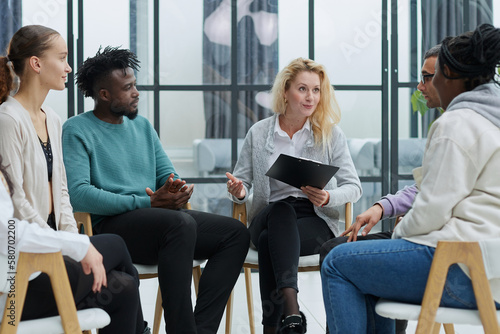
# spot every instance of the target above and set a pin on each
(327, 113)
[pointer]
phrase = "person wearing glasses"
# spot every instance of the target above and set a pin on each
(391, 205)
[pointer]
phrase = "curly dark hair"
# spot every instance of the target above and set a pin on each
(474, 55)
(95, 69)
(3, 170)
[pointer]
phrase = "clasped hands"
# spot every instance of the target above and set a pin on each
(174, 194)
(318, 197)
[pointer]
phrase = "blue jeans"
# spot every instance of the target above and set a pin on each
(355, 275)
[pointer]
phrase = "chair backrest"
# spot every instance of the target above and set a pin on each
(84, 221)
(53, 265)
(469, 254)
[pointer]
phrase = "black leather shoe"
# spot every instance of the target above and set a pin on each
(293, 324)
(147, 330)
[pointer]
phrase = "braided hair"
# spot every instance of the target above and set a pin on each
(95, 69)
(474, 56)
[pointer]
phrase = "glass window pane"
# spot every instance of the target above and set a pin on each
(411, 150)
(144, 40)
(348, 40)
(372, 191)
(182, 122)
(257, 55)
(212, 197)
(404, 41)
(361, 113)
(101, 30)
(405, 113)
(361, 123)
(293, 30)
(496, 13)
(58, 101)
(51, 14)
(146, 105)
(88, 102)
(252, 107)
(182, 40)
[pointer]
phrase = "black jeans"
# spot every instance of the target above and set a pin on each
(172, 239)
(332, 243)
(120, 299)
(283, 231)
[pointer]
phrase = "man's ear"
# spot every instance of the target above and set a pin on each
(34, 63)
(104, 94)
(447, 72)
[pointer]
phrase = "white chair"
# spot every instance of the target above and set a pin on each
(429, 314)
(306, 263)
(69, 321)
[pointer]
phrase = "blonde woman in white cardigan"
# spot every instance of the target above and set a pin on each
(30, 132)
(286, 222)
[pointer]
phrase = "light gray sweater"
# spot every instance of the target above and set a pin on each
(253, 164)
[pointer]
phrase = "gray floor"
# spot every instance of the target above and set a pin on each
(311, 304)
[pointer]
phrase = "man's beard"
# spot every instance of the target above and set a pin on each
(130, 114)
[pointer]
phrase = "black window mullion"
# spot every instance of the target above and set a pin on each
(71, 60)
(385, 105)
(156, 65)
(79, 52)
(234, 83)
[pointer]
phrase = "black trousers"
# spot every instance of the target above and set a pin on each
(172, 239)
(331, 244)
(283, 231)
(120, 299)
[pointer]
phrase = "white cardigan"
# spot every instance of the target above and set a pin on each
(30, 238)
(22, 153)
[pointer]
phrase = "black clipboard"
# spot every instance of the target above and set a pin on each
(299, 172)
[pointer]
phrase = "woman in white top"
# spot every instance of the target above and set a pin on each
(110, 283)
(30, 134)
(30, 144)
(459, 197)
(286, 222)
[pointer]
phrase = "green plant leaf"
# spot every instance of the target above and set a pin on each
(419, 103)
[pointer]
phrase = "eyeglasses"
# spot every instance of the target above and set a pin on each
(425, 78)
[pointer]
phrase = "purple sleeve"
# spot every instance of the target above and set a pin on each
(399, 203)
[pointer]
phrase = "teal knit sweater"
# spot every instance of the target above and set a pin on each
(109, 166)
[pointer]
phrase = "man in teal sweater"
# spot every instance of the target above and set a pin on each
(118, 171)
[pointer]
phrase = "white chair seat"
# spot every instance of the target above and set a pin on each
(304, 261)
(153, 269)
(88, 319)
(396, 310)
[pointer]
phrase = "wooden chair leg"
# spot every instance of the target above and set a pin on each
(436, 328)
(158, 312)
(449, 329)
(248, 282)
(196, 278)
(229, 313)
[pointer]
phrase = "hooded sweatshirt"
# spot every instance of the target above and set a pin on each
(459, 196)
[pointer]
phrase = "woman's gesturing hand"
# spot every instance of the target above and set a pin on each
(235, 187)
